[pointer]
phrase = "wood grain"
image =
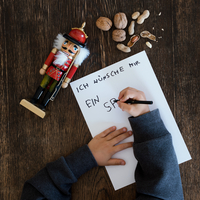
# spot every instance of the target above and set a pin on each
(27, 31)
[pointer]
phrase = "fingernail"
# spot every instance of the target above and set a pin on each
(122, 163)
(130, 132)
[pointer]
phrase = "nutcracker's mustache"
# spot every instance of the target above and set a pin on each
(65, 48)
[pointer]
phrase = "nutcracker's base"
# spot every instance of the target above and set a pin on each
(33, 108)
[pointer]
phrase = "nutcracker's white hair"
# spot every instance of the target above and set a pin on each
(58, 41)
(83, 54)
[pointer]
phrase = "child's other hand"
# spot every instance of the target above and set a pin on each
(103, 146)
(134, 109)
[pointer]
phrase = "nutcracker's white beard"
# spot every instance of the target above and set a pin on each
(60, 59)
(83, 54)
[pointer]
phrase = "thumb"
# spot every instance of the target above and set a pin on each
(115, 161)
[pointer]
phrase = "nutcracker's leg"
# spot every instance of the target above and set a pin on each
(37, 94)
(48, 95)
(40, 89)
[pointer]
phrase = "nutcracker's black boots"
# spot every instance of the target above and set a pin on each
(45, 100)
(37, 95)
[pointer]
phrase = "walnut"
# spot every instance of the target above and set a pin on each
(120, 20)
(118, 35)
(104, 23)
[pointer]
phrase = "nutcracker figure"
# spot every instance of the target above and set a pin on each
(67, 55)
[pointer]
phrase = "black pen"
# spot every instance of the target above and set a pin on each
(129, 101)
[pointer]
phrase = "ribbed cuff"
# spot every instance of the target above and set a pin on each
(81, 161)
(148, 126)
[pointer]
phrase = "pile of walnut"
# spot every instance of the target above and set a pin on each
(119, 34)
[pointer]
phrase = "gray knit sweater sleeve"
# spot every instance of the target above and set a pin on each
(55, 180)
(157, 173)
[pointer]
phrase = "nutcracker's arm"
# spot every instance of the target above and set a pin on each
(84, 53)
(70, 75)
(48, 61)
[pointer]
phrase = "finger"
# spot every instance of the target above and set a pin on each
(107, 132)
(128, 93)
(116, 133)
(125, 107)
(122, 146)
(121, 94)
(121, 137)
(115, 161)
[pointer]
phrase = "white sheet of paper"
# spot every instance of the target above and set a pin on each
(95, 94)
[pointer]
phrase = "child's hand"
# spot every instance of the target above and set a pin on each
(134, 109)
(103, 146)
